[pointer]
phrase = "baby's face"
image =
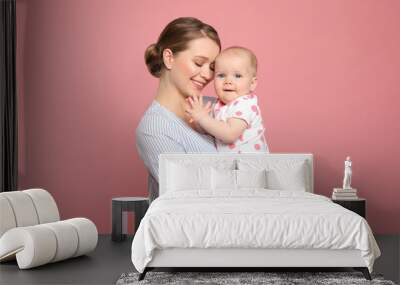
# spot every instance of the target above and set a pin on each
(234, 76)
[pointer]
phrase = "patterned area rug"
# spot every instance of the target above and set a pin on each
(270, 278)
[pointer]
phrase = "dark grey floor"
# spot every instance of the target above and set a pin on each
(110, 260)
(389, 262)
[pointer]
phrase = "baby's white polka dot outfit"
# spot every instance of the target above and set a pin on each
(245, 108)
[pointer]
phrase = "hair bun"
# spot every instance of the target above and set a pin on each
(153, 60)
(176, 37)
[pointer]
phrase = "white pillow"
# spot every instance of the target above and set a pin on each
(281, 174)
(251, 178)
(223, 179)
(287, 179)
(187, 177)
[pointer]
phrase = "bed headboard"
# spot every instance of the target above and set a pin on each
(232, 159)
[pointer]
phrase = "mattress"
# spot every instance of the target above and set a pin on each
(250, 219)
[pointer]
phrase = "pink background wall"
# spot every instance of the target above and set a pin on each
(329, 84)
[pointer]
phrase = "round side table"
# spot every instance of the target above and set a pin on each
(120, 207)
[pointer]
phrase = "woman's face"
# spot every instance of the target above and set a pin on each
(192, 69)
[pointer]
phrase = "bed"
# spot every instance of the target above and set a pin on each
(247, 210)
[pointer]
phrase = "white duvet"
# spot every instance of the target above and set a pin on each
(251, 218)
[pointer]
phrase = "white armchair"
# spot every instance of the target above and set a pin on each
(31, 230)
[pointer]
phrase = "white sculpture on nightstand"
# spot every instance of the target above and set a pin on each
(347, 174)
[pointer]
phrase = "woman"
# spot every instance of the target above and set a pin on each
(182, 59)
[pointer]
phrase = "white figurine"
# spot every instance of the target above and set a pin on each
(347, 174)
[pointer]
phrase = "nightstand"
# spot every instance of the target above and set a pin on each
(357, 206)
(120, 207)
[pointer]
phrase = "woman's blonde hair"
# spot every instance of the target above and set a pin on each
(176, 36)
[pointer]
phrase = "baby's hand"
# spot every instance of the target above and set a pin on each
(196, 109)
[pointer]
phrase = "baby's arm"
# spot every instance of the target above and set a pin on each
(196, 126)
(227, 132)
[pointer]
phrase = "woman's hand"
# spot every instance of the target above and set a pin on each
(196, 109)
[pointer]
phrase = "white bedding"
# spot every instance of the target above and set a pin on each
(251, 218)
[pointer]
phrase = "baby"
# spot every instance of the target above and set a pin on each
(236, 123)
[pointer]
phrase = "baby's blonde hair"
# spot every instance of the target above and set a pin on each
(238, 49)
